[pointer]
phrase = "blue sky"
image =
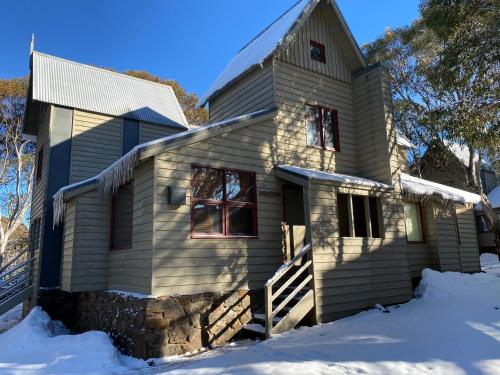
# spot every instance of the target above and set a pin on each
(187, 40)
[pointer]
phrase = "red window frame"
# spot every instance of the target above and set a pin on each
(322, 58)
(335, 118)
(226, 205)
(112, 223)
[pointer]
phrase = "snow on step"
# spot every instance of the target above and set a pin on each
(257, 328)
(263, 318)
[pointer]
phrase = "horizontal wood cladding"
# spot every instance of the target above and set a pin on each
(253, 92)
(356, 273)
(216, 264)
(322, 27)
(469, 252)
(149, 132)
(68, 247)
(96, 143)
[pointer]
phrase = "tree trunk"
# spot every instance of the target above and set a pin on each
(3, 246)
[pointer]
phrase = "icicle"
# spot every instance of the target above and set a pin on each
(58, 208)
(117, 174)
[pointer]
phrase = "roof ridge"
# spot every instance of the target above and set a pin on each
(269, 26)
(105, 70)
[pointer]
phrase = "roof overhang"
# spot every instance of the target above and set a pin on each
(303, 176)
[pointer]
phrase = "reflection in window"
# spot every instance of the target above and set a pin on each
(223, 203)
(483, 224)
(322, 127)
(413, 222)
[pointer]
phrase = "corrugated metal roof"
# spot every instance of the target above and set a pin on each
(71, 84)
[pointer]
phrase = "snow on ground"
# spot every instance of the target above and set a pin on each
(38, 345)
(490, 263)
(10, 318)
(452, 327)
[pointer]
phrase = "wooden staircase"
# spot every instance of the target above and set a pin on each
(288, 297)
(16, 281)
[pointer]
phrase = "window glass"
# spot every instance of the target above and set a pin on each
(329, 129)
(239, 186)
(413, 222)
(313, 126)
(483, 225)
(358, 210)
(241, 220)
(374, 208)
(123, 216)
(317, 51)
(343, 215)
(208, 183)
(207, 218)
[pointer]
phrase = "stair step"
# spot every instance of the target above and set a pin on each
(255, 328)
(261, 318)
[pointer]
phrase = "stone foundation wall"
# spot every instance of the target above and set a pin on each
(156, 327)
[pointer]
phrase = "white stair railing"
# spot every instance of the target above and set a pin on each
(271, 312)
(16, 281)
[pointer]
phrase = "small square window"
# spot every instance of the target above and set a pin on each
(318, 52)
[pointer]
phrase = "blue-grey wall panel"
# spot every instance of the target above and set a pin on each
(130, 134)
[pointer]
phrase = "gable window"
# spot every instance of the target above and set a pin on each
(317, 51)
(322, 127)
(413, 222)
(122, 216)
(39, 165)
(223, 203)
(358, 216)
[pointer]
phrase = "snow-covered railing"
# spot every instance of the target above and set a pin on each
(271, 296)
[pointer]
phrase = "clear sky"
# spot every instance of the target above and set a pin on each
(187, 40)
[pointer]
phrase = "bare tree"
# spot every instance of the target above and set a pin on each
(16, 161)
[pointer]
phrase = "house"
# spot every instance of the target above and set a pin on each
(485, 231)
(447, 163)
(289, 207)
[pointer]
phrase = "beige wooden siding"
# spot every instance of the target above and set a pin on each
(150, 132)
(96, 143)
(130, 269)
(352, 274)
(424, 255)
(490, 180)
(294, 88)
(91, 242)
(446, 239)
(322, 27)
(253, 92)
(377, 155)
(40, 187)
(184, 265)
(68, 247)
(469, 252)
(403, 159)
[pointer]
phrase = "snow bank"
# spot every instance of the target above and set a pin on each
(453, 328)
(10, 318)
(37, 345)
(424, 188)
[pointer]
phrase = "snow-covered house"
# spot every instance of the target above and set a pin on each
(288, 207)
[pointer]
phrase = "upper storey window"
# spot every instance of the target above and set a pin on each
(322, 127)
(317, 51)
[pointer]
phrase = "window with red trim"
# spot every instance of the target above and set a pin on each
(223, 203)
(322, 125)
(317, 51)
(122, 217)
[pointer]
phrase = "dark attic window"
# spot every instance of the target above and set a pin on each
(318, 52)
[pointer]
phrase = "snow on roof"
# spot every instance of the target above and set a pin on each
(332, 177)
(402, 140)
(462, 154)
(75, 85)
(265, 43)
(120, 172)
(494, 197)
(419, 186)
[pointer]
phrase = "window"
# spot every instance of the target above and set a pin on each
(322, 127)
(358, 216)
(483, 224)
(122, 216)
(317, 51)
(413, 222)
(223, 203)
(39, 165)
(35, 235)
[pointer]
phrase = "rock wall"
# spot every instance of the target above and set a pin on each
(172, 325)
